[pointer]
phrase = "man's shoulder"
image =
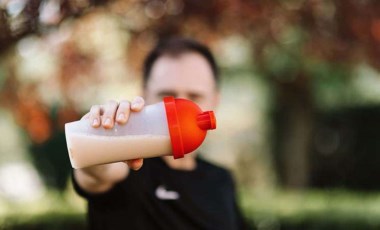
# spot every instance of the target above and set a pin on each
(213, 168)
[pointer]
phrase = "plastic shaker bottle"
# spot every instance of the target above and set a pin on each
(171, 127)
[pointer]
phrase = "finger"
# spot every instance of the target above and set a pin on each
(137, 104)
(108, 117)
(123, 112)
(135, 164)
(94, 116)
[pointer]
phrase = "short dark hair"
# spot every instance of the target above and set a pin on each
(175, 47)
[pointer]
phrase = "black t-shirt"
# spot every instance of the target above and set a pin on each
(158, 197)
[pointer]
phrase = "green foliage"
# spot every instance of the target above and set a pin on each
(330, 83)
(313, 210)
(46, 221)
(281, 63)
(52, 162)
(53, 211)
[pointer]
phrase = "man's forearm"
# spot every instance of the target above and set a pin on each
(102, 177)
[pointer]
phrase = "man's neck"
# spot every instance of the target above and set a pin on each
(187, 163)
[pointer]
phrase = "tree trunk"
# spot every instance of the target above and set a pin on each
(293, 131)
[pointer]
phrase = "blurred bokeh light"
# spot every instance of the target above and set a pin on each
(299, 109)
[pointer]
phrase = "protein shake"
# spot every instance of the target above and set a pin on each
(172, 127)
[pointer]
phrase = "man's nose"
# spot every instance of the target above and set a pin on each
(183, 95)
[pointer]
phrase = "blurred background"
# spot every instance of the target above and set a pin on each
(298, 123)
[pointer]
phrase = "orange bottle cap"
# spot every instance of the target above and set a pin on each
(187, 124)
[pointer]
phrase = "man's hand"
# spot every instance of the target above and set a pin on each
(113, 112)
(101, 178)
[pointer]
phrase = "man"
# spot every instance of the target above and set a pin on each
(186, 193)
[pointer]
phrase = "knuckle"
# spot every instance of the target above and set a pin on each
(124, 102)
(138, 99)
(112, 103)
(94, 111)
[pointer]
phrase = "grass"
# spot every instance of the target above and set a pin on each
(310, 209)
(313, 208)
(51, 211)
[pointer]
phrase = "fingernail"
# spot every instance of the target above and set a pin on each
(121, 117)
(135, 105)
(107, 122)
(95, 122)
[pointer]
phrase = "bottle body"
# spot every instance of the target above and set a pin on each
(145, 135)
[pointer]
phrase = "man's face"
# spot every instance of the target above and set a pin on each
(188, 75)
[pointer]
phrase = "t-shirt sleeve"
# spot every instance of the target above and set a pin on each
(113, 192)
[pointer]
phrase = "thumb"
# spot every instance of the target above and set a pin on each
(134, 164)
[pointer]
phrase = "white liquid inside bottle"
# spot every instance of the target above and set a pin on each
(145, 135)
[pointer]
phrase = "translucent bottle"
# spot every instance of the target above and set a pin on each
(171, 127)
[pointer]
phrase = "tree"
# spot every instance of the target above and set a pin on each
(295, 43)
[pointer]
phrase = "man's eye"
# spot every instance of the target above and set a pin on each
(168, 95)
(195, 98)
